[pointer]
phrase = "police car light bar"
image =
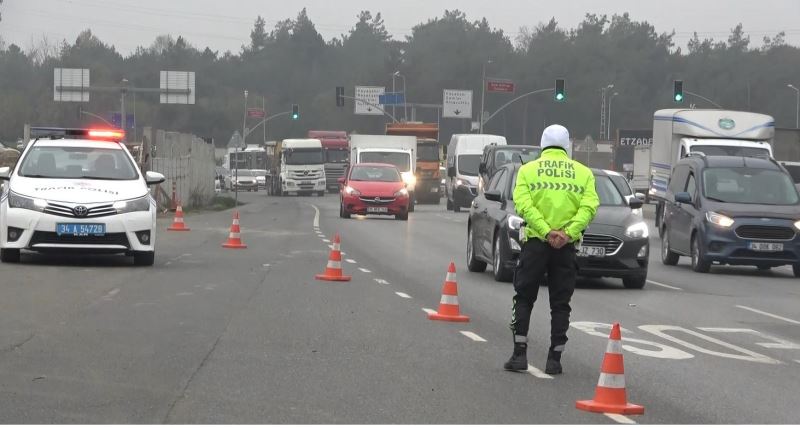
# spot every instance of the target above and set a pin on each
(95, 134)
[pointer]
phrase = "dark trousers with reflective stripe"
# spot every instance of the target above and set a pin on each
(537, 259)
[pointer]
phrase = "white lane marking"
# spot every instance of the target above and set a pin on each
(327, 241)
(743, 354)
(776, 342)
(538, 373)
(403, 295)
(185, 293)
(340, 252)
(381, 281)
(620, 419)
(428, 311)
(167, 263)
(110, 294)
(661, 351)
(664, 285)
(777, 317)
(351, 261)
(365, 270)
(316, 216)
(797, 361)
(473, 336)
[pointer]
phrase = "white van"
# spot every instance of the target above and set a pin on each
(463, 157)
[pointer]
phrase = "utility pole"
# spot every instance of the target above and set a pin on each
(123, 120)
(483, 93)
(611, 98)
(236, 153)
(797, 111)
(603, 109)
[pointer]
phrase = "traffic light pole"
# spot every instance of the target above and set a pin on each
(538, 91)
(703, 98)
(263, 122)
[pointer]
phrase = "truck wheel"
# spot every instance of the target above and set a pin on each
(9, 255)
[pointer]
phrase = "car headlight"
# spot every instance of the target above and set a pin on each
(401, 192)
(16, 200)
(459, 182)
(719, 219)
(409, 178)
(352, 192)
(515, 222)
(797, 224)
(133, 205)
(637, 230)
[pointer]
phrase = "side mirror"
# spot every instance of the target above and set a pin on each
(5, 173)
(482, 168)
(493, 195)
(152, 178)
(683, 198)
(636, 203)
(639, 195)
(451, 171)
(341, 180)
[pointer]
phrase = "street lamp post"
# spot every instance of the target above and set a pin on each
(608, 134)
(123, 120)
(797, 111)
(483, 93)
(236, 152)
(405, 101)
(603, 108)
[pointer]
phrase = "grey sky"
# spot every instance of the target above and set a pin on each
(226, 25)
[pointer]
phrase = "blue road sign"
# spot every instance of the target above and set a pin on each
(392, 98)
(116, 119)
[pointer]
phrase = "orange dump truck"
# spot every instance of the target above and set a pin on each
(428, 157)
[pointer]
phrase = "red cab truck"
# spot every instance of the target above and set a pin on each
(336, 152)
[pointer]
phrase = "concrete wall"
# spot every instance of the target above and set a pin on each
(185, 160)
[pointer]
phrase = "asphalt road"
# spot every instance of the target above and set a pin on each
(210, 335)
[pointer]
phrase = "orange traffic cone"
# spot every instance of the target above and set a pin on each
(448, 305)
(177, 223)
(610, 396)
(333, 272)
(234, 238)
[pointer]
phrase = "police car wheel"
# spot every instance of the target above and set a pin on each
(9, 255)
(144, 258)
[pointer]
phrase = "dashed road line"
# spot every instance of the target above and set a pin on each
(538, 373)
(428, 311)
(621, 419)
(664, 285)
(316, 216)
(327, 241)
(797, 361)
(473, 336)
(403, 295)
(777, 317)
(365, 270)
(381, 281)
(351, 261)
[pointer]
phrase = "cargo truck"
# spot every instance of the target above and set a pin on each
(679, 132)
(397, 150)
(429, 152)
(334, 147)
(296, 166)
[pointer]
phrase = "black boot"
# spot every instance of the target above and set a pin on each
(519, 359)
(553, 365)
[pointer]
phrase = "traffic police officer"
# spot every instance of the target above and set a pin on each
(556, 197)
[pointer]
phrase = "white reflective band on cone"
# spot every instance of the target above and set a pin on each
(451, 277)
(234, 235)
(336, 247)
(611, 380)
(334, 264)
(449, 300)
(236, 221)
(614, 347)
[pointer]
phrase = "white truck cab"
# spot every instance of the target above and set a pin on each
(302, 167)
(397, 150)
(463, 159)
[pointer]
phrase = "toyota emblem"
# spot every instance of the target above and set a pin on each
(80, 211)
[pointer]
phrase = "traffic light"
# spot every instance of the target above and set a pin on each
(677, 91)
(560, 93)
(340, 96)
(295, 112)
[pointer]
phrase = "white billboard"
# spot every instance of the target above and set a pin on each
(71, 84)
(457, 103)
(177, 87)
(369, 94)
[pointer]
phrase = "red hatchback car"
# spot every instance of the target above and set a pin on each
(374, 188)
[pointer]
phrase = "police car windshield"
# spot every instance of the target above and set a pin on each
(59, 162)
(607, 191)
(749, 186)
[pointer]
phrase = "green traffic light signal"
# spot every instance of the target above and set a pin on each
(295, 112)
(678, 97)
(677, 91)
(560, 93)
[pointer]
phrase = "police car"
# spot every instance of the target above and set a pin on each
(77, 190)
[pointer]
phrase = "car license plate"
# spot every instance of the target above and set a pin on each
(377, 209)
(80, 229)
(766, 246)
(592, 252)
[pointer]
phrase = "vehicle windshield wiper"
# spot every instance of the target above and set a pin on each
(711, 198)
(92, 177)
(38, 176)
